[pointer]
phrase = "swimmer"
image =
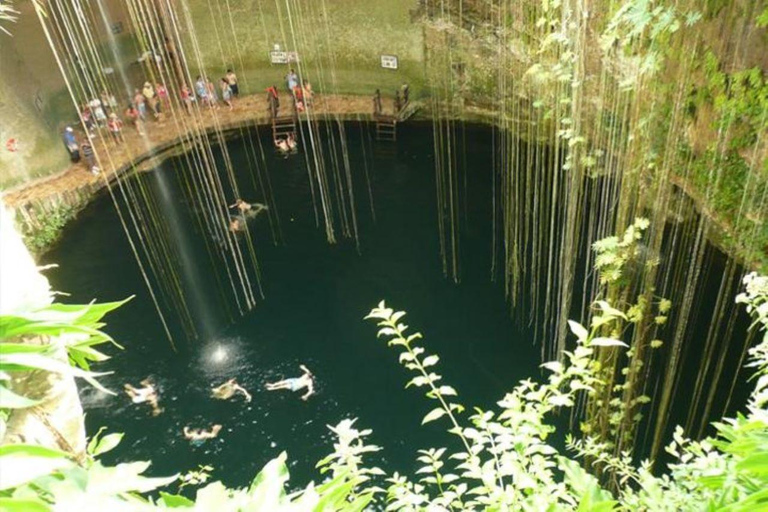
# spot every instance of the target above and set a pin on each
(291, 141)
(235, 225)
(147, 394)
(241, 205)
(305, 381)
(248, 209)
(282, 145)
(199, 436)
(228, 390)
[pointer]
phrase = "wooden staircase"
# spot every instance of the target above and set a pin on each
(386, 128)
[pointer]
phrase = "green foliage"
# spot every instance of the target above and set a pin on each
(48, 227)
(503, 460)
(762, 18)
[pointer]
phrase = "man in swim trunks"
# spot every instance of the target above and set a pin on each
(307, 380)
(228, 390)
(145, 394)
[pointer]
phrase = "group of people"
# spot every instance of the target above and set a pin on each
(301, 94)
(402, 97)
(148, 394)
(208, 93)
(149, 100)
(80, 149)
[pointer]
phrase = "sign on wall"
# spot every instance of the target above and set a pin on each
(280, 57)
(389, 61)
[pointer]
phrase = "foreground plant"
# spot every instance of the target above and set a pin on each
(507, 464)
(495, 460)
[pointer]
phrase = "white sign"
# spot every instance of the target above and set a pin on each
(279, 57)
(389, 61)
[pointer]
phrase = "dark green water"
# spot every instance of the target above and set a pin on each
(316, 298)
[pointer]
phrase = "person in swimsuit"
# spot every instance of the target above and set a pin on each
(198, 436)
(145, 394)
(282, 145)
(307, 380)
(247, 209)
(228, 390)
(235, 225)
(292, 144)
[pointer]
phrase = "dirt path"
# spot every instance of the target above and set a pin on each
(160, 134)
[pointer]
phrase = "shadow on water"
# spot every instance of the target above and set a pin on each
(316, 297)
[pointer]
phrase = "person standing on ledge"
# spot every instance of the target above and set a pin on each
(406, 94)
(226, 93)
(307, 380)
(377, 103)
(273, 100)
(90, 158)
(115, 126)
(228, 390)
(231, 79)
(70, 141)
(291, 80)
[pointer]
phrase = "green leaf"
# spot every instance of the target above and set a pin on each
(607, 342)
(10, 400)
(359, 504)
(175, 500)
(433, 415)
(756, 464)
(267, 489)
(107, 443)
(215, 496)
(22, 463)
(126, 477)
(15, 362)
(23, 505)
(335, 495)
(579, 330)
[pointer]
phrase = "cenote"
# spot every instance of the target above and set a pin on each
(315, 297)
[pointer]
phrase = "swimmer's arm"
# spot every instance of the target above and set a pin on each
(245, 393)
(310, 390)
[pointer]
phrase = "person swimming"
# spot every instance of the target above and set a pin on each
(228, 390)
(236, 224)
(292, 144)
(248, 209)
(241, 205)
(307, 380)
(198, 436)
(282, 145)
(146, 394)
